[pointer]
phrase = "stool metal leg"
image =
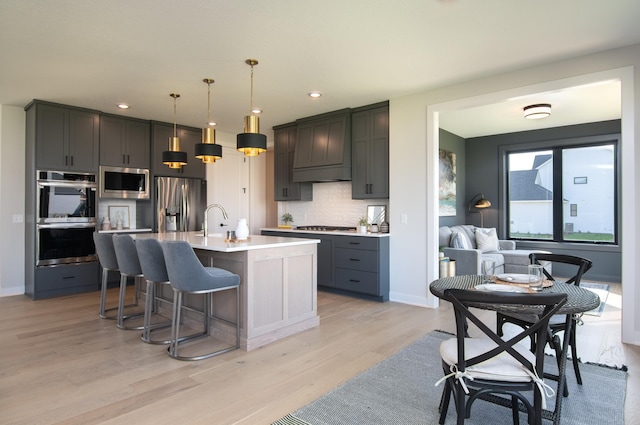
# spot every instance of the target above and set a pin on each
(103, 297)
(121, 316)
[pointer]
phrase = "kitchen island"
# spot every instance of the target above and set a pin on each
(278, 285)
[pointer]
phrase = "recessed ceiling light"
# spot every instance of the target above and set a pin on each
(256, 111)
(123, 106)
(315, 94)
(211, 123)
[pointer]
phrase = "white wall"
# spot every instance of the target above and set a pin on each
(413, 165)
(12, 166)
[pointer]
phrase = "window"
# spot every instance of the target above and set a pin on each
(583, 180)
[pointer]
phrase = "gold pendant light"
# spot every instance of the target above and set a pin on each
(251, 142)
(208, 151)
(174, 158)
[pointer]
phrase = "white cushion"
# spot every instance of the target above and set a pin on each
(487, 240)
(460, 240)
(503, 367)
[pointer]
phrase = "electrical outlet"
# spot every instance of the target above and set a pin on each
(18, 218)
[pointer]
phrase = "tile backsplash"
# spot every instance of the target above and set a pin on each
(331, 206)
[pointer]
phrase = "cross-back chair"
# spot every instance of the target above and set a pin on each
(488, 367)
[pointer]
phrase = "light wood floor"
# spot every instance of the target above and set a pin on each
(61, 364)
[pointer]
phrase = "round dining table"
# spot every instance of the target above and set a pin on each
(579, 300)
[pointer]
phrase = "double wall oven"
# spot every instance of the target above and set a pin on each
(66, 218)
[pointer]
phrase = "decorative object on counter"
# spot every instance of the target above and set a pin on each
(119, 216)
(363, 223)
(286, 219)
(376, 214)
(208, 151)
(231, 236)
(374, 228)
(106, 223)
(174, 158)
(242, 231)
(251, 142)
(384, 227)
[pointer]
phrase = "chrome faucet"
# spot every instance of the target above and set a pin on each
(205, 226)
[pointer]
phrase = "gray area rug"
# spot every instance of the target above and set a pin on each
(602, 290)
(400, 390)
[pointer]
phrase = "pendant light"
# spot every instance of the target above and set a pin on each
(208, 151)
(174, 158)
(251, 142)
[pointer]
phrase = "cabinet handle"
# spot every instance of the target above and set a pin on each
(354, 280)
(68, 277)
(72, 160)
(128, 162)
(354, 259)
(354, 243)
(66, 160)
(124, 160)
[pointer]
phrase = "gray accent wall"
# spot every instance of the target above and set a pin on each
(484, 175)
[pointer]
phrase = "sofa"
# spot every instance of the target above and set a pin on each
(468, 245)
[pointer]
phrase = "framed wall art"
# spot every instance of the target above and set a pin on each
(447, 186)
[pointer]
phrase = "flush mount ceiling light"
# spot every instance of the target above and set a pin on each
(208, 151)
(251, 142)
(538, 111)
(173, 157)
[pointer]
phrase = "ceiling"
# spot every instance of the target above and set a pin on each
(96, 53)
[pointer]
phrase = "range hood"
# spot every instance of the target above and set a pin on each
(323, 148)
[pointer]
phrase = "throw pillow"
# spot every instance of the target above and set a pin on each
(460, 240)
(487, 240)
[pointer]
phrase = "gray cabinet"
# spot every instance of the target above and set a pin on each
(284, 149)
(362, 265)
(189, 137)
(66, 138)
(370, 152)
(124, 142)
(354, 265)
(323, 147)
(67, 279)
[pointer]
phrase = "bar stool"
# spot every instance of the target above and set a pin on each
(129, 265)
(155, 273)
(188, 275)
(109, 263)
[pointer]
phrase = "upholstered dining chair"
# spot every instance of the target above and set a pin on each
(129, 266)
(188, 276)
(484, 366)
(557, 323)
(154, 270)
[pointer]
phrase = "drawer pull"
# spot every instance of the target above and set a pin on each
(354, 259)
(354, 280)
(354, 243)
(68, 277)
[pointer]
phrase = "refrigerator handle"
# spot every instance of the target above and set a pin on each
(185, 209)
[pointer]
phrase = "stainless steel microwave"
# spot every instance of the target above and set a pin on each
(124, 182)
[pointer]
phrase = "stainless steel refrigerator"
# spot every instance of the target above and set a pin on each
(180, 204)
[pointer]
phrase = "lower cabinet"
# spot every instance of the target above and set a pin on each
(354, 265)
(65, 279)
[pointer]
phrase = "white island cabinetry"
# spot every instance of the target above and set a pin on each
(278, 287)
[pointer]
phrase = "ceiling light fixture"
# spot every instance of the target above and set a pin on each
(538, 111)
(315, 94)
(123, 106)
(251, 142)
(174, 158)
(208, 151)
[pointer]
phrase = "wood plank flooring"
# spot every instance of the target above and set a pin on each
(61, 364)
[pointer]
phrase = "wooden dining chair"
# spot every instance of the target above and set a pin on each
(489, 368)
(557, 323)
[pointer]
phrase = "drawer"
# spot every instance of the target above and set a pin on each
(67, 276)
(357, 259)
(357, 242)
(357, 281)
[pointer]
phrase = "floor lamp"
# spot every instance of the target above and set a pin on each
(479, 202)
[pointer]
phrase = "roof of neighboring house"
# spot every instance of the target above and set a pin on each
(522, 187)
(540, 159)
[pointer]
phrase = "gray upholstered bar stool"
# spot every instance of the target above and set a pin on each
(129, 266)
(155, 273)
(109, 263)
(188, 275)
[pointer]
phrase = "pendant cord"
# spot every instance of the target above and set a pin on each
(251, 103)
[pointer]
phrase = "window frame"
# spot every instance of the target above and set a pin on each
(557, 146)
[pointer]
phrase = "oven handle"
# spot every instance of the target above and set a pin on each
(63, 183)
(66, 225)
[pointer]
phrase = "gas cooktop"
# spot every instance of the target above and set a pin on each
(327, 228)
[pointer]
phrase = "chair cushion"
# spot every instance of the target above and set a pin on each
(503, 367)
(460, 240)
(487, 240)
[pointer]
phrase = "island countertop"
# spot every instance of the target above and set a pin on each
(216, 242)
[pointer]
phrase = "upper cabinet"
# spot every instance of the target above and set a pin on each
(284, 150)
(323, 148)
(189, 137)
(66, 138)
(124, 142)
(370, 150)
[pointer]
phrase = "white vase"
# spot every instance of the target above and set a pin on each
(242, 231)
(363, 229)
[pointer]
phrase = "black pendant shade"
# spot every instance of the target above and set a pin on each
(174, 159)
(208, 152)
(251, 144)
